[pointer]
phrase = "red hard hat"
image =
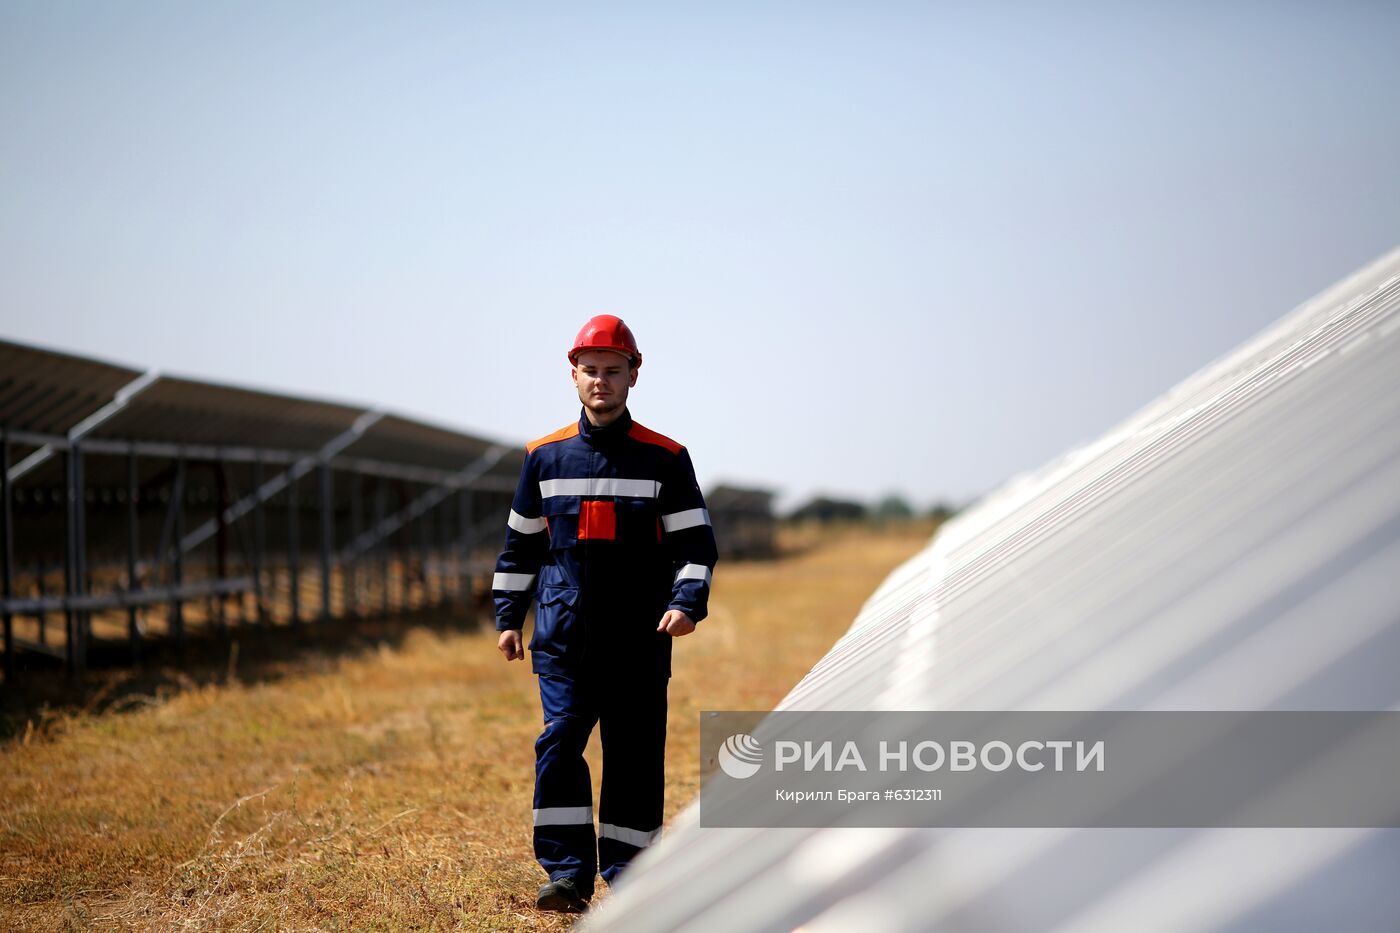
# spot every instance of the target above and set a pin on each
(606, 332)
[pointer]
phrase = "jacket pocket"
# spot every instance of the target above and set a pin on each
(557, 632)
(638, 521)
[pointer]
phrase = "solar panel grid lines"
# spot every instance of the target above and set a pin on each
(981, 647)
(864, 662)
(1261, 348)
(908, 685)
(73, 414)
(120, 399)
(888, 600)
(894, 605)
(1132, 466)
(1163, 545)
(214, 414)
(1038, 523)
(1211, 397)
(1314, 672)
(48, 392)
(1231, 546)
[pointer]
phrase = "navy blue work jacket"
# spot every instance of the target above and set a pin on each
(608, 530)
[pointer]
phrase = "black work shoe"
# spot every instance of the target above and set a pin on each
(562, 895)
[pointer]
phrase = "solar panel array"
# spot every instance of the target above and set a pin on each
(43, 392)
(1232, 546)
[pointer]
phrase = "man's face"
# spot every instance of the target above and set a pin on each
(603, 378)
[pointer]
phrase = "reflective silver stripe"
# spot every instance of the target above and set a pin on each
(600, 486)
(693, 572)
(677, 521)
(526, 526)
(634, 837)
(563, 816)
(512, 582)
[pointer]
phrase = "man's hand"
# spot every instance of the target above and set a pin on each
(675, 623)
(509, 643)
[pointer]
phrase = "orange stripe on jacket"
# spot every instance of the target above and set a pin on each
(563, 434)
(648, 436)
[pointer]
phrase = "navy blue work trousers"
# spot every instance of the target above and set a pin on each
(630, 712)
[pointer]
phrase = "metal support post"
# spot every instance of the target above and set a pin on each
(218, 600)
(327, 537)
(177, 565)
(294, 552)
(447, 590)
(43, 617)
(84, 616)
(400, 569)
(466, 517)
(425, 561)
(133, 545)
(70, 550)
(7, 552)
(259, 545)
(352, 564)
(381, 507)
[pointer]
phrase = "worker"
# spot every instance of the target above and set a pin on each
(609, 535)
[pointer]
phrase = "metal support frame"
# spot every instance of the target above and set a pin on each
(161, 450)
(464, 480)
(149, 596)
(422, 520)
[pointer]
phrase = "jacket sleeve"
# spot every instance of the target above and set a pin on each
(689, 539)
(527, 544)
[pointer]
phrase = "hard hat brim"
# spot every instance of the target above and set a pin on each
(634, 358)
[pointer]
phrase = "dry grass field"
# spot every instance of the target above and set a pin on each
(381, 788)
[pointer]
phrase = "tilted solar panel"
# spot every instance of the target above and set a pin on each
(1233, 546)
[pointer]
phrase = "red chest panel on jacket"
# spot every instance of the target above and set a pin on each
(597, 521)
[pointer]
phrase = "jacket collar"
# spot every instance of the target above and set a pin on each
(605, 434)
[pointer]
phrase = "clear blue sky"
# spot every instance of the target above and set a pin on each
(865, 246)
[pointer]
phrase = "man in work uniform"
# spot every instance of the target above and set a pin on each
(609, 533)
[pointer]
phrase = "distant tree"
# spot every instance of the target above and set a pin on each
(941, 512)
(892, 508)
(825, 510)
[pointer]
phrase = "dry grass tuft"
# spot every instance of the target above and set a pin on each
(382, 790)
